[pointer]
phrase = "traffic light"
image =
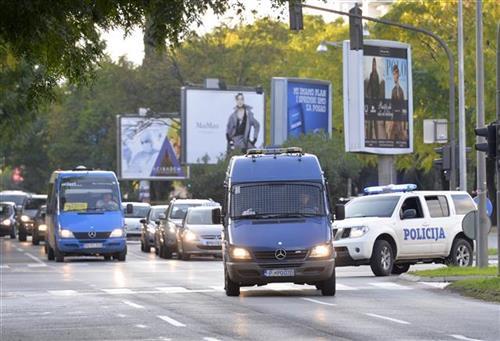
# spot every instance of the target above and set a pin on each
(356, 29)
(296, 17)
(444, 163)
(490, 146)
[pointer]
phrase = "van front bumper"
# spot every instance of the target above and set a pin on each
(108, 246)
(307, 272)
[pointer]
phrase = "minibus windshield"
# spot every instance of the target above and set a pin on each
(89, 194)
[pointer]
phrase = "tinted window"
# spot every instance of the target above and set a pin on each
(371, 206)
(17, 198)
(34, 204)
(438, 206)
(413, 203)
(463, 203)
(5, 210)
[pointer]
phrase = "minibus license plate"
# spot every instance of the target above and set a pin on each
(92, 245)
(279, 273)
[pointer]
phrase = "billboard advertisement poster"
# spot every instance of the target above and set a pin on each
(216, 122)
(149, 148)
(379, 77)
(299, 106)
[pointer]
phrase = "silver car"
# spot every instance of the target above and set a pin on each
(133, 220)
(198, 234)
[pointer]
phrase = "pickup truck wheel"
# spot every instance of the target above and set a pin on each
(328, 287)
(399, 269)
(231, 288)
(382, 260)
(461, 253)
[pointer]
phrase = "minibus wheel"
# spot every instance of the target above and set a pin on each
(329, 286)
(231, 288)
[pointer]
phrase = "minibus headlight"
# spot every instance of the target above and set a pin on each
(25, 218)
(6, 222)
(116, 233)
(321, 251)
(358, 231)
(240, 253)
(189, 236)
(63, 233)
(42, 227)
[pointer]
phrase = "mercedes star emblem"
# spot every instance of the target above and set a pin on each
(92, 234)
(280, 254)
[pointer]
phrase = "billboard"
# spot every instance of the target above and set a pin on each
(378, 108)
(299, 106)
(149, 148)
(216, 122)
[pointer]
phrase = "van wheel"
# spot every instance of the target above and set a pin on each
(58, 255)
(329, 286)
(382, 260)
(231, 288)
(50, 252)
(399, 269)
(461, 253)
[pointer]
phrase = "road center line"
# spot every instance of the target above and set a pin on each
(210, 339)
(318, 302)
(387, 318)
(36, 259)
(461, 337)
(132, 304)
(170, 320)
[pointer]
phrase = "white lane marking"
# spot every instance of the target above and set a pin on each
(461, 337)
(132, 304)
(439, 285)
(318, 302)
(345, 287)
(37, 265)
(172, 290)
(210, 339)
(217, 288)
(121, 315)
(390, 286)
(282, 286)
(170, 320)
(141, 326)
(387, 318)
(20, 250)
(63, 292)
(36, 259)
(118, 291)
(4, 267)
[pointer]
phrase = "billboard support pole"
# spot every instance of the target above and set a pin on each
(451, 66)
(386, 170)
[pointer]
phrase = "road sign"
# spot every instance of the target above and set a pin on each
(489, 205)
(469, 224)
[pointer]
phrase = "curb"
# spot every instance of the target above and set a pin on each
(442, 279)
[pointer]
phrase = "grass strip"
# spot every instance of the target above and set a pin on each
(456, 271)
(487, 289)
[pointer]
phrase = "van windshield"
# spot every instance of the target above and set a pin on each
(277, 200)
(371, 206)
(88, 194)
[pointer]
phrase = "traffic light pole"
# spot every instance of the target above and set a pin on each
(497, 166)
(451, 66)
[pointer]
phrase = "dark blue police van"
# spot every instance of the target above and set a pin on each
(277, 221)
(85, 215)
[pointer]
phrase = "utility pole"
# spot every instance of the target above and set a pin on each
(482, 239)
(461, 102)
(498, 150)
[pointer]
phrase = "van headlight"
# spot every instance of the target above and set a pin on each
(6, 222)
(190, 236)
(240, 253)
(42, 227)
(116, 233)
(358, 231)
(63, 233)
(321, 251)
(25, 218)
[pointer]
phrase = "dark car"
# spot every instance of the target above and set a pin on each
(39, 227)
(7, 219)
(149, 226)
(26, 219)
(18, 198)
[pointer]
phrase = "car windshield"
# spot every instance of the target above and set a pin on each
(371, 206)
(18, 199)
(155, 213)
(179, 211)
(138, 212)
(277, 200)
(199, 217)
(5, 210)
(34, 204)
(89, 194)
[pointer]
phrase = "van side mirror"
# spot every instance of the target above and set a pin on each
(129, 209)
(216, 216)
(339, 212)
(410, 213)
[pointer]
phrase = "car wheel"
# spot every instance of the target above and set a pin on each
(165, 252)
(142, 246)
(399, 269)
(50, 252)
(461, 253)
(382, 260)
(181, 254)
(13, 234)
(319, 285)
(328, 287)
(147, 247)
(22, 236)
(58, 255)
(231, 288)
(34, 238)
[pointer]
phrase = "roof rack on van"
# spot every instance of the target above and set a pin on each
(273, 151)
(390, 189)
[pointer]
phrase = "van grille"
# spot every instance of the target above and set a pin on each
(270, 255)
(85, 235)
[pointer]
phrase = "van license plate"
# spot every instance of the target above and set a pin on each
(279, 273)
(92, 245)
(213, 243)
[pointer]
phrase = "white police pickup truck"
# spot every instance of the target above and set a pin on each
(394, 227)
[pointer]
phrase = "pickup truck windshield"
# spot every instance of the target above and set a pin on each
(371, 206)
(88, 194)
(277, 200)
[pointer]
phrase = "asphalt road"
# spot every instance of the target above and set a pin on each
(147, 298)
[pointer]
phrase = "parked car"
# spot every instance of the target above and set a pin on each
(166, 234)
(26, 219)
(39, 227)
(199, 234)
(7, 219)
(133, 219)
(149, 226)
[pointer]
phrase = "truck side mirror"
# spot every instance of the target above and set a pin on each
(339, 212)
(216, 216)
(129, 209)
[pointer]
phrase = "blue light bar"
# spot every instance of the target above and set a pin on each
(390, 189)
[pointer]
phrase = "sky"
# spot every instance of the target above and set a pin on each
(132, 46)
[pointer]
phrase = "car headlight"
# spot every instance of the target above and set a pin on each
(358, 231)
(321, 251)
(172, 229)
(240, 253)
(42, 227)
(6, 222)
(63, 233)
(116, 233)
(189, 236)
(25, 218)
